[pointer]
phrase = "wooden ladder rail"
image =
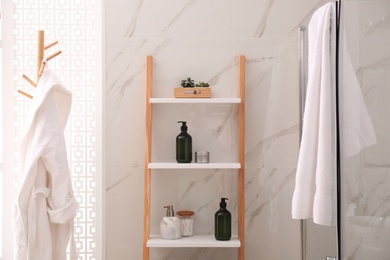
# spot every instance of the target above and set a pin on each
(241, 158)
(148, 155)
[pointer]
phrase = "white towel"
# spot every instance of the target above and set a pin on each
(313, 179)
(314, 194)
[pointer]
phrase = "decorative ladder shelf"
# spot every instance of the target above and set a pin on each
(149, 240)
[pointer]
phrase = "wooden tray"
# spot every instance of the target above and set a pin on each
(192, 92)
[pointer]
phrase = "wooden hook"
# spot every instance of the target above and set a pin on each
(29, 81)
(43, 64)
(50, 45)
(24, 94)
(53, 55)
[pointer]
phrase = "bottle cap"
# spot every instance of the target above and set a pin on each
(170, 212)
(223, 204)
(183, 125)
(185, 213)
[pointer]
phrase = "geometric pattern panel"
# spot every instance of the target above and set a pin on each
(71, 23)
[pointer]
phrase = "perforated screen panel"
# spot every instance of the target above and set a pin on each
(71, 22)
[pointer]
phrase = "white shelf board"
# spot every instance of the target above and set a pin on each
(195, 100)
(193, 241)
(175, 165)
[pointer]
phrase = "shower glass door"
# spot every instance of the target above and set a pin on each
(365, 186)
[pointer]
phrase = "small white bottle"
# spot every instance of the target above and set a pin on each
(170, 225)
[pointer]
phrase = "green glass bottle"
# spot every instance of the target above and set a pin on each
(183, 145)
(223, 222)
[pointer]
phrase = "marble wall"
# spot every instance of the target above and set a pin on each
(201, 39)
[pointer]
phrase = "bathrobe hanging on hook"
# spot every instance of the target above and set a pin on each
(45, 207)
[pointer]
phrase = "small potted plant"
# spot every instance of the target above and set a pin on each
(187, 83)
(202, 84)
(191, 90)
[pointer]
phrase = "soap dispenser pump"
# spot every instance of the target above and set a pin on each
(170, 225)
(223, 222)
(183, 145)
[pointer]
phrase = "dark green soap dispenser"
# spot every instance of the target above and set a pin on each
(183, 145)
(223, 222)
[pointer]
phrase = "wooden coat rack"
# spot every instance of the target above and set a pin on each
(41, 60)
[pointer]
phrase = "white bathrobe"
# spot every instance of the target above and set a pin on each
(45, 207)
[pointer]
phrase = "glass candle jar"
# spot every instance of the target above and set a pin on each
(186, 222)
(202, 157)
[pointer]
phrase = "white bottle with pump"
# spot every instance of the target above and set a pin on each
(170, 225)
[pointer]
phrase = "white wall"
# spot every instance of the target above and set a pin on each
(200, 38)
